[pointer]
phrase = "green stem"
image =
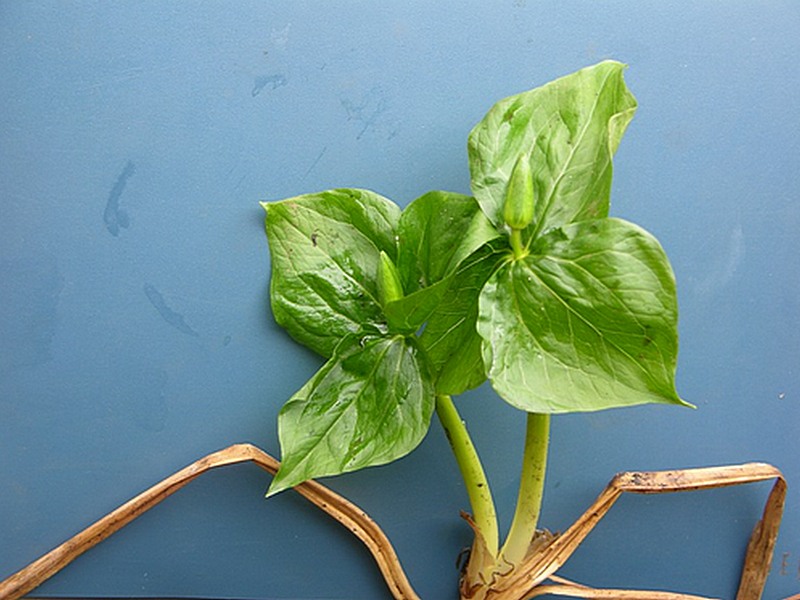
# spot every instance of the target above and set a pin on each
(480, 496)
(531, 488)
(516, 244)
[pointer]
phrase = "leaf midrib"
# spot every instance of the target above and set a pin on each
(349, 405)
(573, 149)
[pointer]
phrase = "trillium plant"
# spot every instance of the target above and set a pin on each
(527, 283)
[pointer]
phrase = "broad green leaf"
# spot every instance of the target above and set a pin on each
(569, 129)
(587, 321)
(325, 250)
(436, 233)
(370, 404)
(450, 339)
(408, 314)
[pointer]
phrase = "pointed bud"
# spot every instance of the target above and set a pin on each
(518, 207)
(389, 286)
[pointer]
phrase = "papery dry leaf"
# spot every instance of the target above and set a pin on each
(548, 551)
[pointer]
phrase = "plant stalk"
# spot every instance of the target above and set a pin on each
(531, 489)
(516, 244)
(480, 496)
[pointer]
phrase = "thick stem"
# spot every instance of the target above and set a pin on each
(531, 488)
(480, 496)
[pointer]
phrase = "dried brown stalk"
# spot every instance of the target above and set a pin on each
(524, 581)
(345, 512)
(529, 580)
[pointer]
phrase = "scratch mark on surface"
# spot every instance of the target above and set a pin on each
(239, 183)
(113, 216)
(260, 83)
(314, 164)
(170, 316)
(121, 77)
(371, 107)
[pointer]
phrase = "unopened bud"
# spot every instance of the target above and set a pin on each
(518, 207)
(389, 286)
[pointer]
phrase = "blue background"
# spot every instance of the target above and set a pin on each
(136, 140)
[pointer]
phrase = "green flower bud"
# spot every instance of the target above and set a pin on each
(389, 286)
(518, 206)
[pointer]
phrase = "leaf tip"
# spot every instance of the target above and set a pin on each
(276, 487)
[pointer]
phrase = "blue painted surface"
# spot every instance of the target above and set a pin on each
(136, 140)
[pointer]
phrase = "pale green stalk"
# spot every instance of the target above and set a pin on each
(531, 488)
(480, 497)
(520, 251)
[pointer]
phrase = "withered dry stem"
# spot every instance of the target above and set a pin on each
(527, 580)
(345, 512)
(534, 577)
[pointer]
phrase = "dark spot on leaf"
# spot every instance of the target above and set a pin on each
(509, 114)
(314, 239)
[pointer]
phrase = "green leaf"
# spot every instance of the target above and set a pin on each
(325, 250)
(569, 129)
(408, 314)
(436, 233)
(450, 339)
(587, 321)
(370, 404)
